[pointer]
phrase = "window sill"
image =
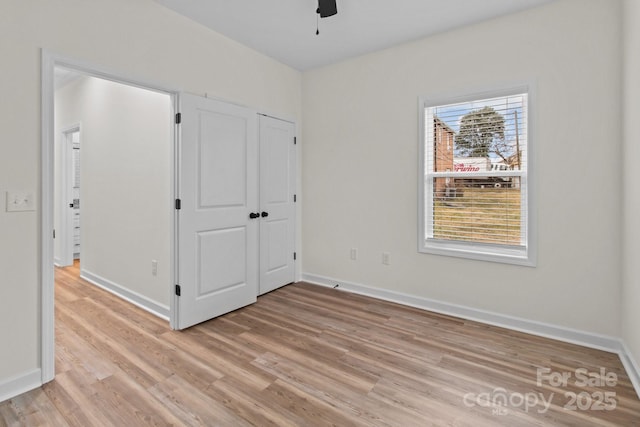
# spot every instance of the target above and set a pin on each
(491, 253)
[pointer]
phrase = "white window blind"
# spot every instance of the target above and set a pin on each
(475, 175)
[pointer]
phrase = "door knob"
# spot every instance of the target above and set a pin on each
(265, 214)
(254, 215)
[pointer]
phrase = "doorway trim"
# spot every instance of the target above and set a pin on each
(49, 61)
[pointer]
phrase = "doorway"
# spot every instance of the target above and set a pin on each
(103, 175)
(124, 196)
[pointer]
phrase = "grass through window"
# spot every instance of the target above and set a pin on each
(484, 215)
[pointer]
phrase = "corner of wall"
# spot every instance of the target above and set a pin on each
(630, 237)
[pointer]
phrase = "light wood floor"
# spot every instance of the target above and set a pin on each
(306, 356)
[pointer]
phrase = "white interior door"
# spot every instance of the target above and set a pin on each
(75, 193)
(69, 231)
(218, 190)
(277, 207)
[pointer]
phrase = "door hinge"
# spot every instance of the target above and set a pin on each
(294, 256)
(178, 204)
(295, 140)
(54, 234)
(178, 118)
(295, 198)
(178, 290)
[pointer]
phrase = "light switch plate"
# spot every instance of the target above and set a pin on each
(20, 201)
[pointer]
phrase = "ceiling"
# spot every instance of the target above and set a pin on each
(286, 29)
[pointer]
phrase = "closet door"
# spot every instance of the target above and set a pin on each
(277, 207)
(217, 220)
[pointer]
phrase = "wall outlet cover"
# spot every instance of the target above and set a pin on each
(386, 258)
(20, 201)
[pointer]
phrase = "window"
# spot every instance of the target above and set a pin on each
(475, 193)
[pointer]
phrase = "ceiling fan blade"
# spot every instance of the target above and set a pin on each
(327, 8)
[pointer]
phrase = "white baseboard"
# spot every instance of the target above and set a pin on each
(134, 298)
(19, 384)
(631, 366)
(587, 339)
(561, 333)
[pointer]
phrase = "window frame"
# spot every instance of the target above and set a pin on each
(524, 255)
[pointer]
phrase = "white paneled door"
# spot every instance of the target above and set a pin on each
(277, 207)
(218, 219)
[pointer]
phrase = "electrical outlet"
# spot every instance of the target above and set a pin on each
(354, 254)
(20, 201)
(154, 267)
(386, 258)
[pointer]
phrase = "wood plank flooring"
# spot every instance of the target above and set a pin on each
(310, 356)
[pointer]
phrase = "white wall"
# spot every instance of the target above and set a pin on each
(125, 182)
(631, 180)
(138, 38)
(360, 172)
